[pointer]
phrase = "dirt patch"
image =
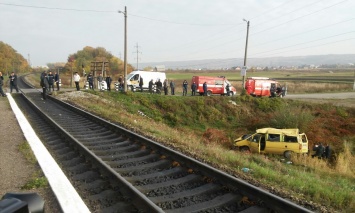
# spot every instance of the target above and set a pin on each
(15, 170)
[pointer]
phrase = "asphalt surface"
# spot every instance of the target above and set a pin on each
(343, 95)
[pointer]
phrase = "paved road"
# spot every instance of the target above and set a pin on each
(343, 95)
(346, 99)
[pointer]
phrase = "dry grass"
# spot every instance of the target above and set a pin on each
(345, 161)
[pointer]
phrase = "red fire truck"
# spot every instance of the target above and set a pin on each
(215, 85)
(262, 86)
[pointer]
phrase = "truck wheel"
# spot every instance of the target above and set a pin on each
(288, 154)
(209, 93)
(244, 149)
(132, 89)
(230, 94)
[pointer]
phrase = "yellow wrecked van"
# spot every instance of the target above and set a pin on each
(274, 141)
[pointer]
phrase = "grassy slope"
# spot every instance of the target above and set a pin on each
(204, 127)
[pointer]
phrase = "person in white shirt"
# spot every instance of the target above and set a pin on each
(76, 80)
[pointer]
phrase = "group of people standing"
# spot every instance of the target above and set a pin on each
(90, 80)
(193, 88)
(100, 79)
(47, 81)
(159, 86)
(322, 151)
(13, 83)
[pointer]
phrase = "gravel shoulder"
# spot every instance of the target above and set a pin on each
(15, 170)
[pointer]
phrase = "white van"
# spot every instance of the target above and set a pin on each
(134, 77)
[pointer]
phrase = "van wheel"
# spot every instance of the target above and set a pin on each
(209, 93)
(244, 149)
(288, 154)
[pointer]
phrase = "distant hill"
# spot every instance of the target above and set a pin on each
(257, 62)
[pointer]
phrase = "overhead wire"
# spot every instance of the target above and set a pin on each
(328, 7)
(305, 42)
(315, 45)
(317, 11)
(333, 5)
(109, 11)
(305, 32)
(58, 8)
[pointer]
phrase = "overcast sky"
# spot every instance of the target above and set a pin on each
(175, 30)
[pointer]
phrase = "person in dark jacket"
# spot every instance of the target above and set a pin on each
(50, 81)
(120, 82)
(159, 85)
(44, 84)
(327, 151)
(56, 80)
(228, 89)
(90, 79)
(141, 83)
(1, 84)
(150, 86)
(172, 87)
(165, 85)
(13, 82)
(108, 82)
(205, 89)
(319, 149)
(184, 88)
(193, 89)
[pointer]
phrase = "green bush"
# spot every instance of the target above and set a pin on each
(289, 117)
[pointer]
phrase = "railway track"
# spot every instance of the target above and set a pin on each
(117, 170)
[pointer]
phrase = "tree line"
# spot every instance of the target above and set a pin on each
(11, 60)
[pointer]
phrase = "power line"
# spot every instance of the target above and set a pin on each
(333, 5)
(58, 8)
(137, 52)
(308, 31)
(269, 11)
(288, 13)
(316, 45)
(173, 22)
(304, 43)
(240, 59)
(285, 22)
(109, 11)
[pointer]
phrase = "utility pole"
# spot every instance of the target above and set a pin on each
(137, 54)
(354, 81)
(245, 55)
(125, 48)
(29, 60)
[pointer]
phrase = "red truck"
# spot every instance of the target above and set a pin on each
(262, 86)
(215, 85)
